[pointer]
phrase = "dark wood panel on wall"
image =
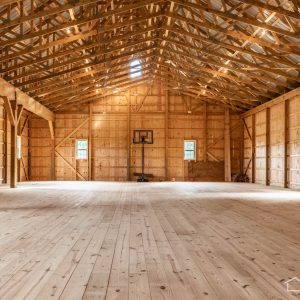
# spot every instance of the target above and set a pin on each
(206, 171)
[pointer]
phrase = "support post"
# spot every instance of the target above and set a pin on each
(286, 143)
(129, 137)
(52, 135)
(90, 141)
(19, 177)
(253, 139)
(268, 154)
(227, 158)
(7, 138)
(13, 147)
(204, 131)
(166, 133)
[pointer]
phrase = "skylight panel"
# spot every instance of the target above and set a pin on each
(135, 68)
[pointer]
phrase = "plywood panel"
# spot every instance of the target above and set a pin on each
(261, 150)
(39, 149)
(294, 143)
(277, 144)
(284, 143)
(113, 119)
(2, 145)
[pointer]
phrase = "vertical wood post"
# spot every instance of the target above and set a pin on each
(29, 150)
(166, 133)
(204, 131)
(6, 151)
(268, 154)
(242, 152)
(129, 137)
(19, 177)
(286, 143)
(253, 138)
(90, 141)
(13, 148)
(52, 135)
(227, 152)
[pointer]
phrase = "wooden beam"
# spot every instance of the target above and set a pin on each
(234, 34)
(71, 133)
(166, 133)
(70, 165)
(128, 136)
(6, 151)
(7, 2)
(18, 125)
(83, 67)
(220, 64)
(13, 148)
(102, 44)
(268, 148)
(282, 98)
(227, 147)
(212, 156)
(78, 59)
(51, 129)
(243, 19)
(10, 92)
(215, 42)
(96, 17)
(277, 9)
(90, 143)
(286, 144)
(8, 109)
(43, 13)
(52, 154)
(20, 109)
(24, 169)
(253, 66)
(24, 125)
(253, 140)
(204, 131)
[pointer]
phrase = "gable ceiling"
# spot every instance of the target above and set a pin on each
(234, 53)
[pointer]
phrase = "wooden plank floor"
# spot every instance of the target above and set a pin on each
(148, 241)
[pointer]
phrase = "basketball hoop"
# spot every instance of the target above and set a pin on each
(141, 136)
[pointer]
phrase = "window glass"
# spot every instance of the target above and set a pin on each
(189, 150)
(81, 149)
(135, 68)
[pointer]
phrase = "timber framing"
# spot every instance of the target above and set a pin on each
(8, 91)
(239, 54)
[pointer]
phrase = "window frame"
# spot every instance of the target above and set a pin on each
(77, 148)
(194, 150)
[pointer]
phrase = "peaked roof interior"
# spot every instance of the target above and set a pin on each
(235, 53)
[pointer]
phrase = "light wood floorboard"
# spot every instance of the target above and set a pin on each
(105, 240)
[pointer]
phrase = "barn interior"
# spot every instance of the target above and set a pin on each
(149, 149)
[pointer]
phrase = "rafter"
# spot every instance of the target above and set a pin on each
(235, 53)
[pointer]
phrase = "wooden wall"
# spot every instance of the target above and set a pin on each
(39, 149)
(272, 142)
(109, 124)
(2, 144)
